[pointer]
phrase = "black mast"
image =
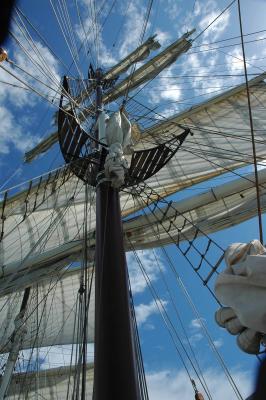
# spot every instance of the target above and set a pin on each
(115, 365)
(117, 372)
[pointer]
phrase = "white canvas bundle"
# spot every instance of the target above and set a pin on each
(53, 384)
(242, 288)
(219, 208)
(118, 138)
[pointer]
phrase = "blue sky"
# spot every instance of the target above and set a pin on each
(26, 119)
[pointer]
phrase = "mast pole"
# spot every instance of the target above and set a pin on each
(115, 365)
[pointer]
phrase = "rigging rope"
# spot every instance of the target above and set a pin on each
(122, 23)
(151, 199)
(251, 128)
(161, 310)
(67, 43)
(181, 322)
(199, 318)
(142, 34)
(21, 14)
(140, 364)
(85, 34)
(214, 20)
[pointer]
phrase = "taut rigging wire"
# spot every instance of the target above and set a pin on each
(231, 38)
(41, 67)
(68, 45)
(85, 34)
(122, 23)
(19, 12)
(142, 34)
(201, 321)
(204, 328)
(251, 128)
(181, 322)
(225, 46)
(214, 20)
(162, 311)
(140, 364)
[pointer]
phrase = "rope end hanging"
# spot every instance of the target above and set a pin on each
(198, 395)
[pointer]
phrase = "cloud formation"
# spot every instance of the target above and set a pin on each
(144, 311)
(172, 385)
(147, 259)
(41, 70)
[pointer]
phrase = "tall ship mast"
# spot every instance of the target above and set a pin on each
(81, 241)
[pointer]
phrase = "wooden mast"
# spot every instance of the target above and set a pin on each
(115, 371)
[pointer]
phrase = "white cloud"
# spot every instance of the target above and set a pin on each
(163, 37)
(169, 111)
(133, 18)
(204, 62)
(144, 311)
(196, 323)
(11, 133)
(236, 56)
(38, 62)
(215, 30)
(172, 385)
(195, 327)
(171, 92)
(132, 28)
(197, 333)
(172, 8)
(137, 280)
(166, 88)
(197, 337)
(218, 343)
(94, 36)
(14, 132)
(197, 8)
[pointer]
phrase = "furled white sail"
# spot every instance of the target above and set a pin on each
(139, 54)
(216, 209)
(151, 69)
(221, 140)
(141, 75)
(50, 213)
(53, 384)
(51, 312)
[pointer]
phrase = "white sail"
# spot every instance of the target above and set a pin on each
(51, 313)
(143, 74)
(139, 54)
(50, 384)
(219, 208)
(221, 140)
(151, 69)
